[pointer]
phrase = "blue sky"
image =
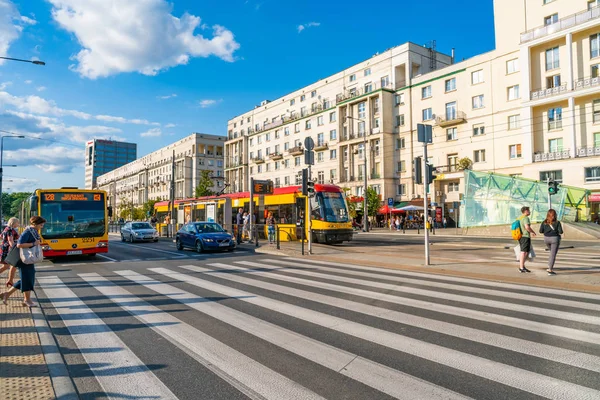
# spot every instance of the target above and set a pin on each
(152, 72)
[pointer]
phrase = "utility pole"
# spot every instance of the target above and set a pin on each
(171, 195)
(251, 211)
(425, 136)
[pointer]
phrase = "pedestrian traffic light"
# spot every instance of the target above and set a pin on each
(418, 171)
(430, 172)
(310, 188)
(305, 182)
(552, 187)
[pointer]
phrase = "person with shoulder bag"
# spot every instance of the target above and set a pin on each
(552, 230)
(10, 235)
(30, 251)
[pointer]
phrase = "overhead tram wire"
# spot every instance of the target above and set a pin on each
(40, 138)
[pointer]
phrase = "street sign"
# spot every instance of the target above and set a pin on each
(262, 187)
(309, 157)
(424, 133)
(390, 201)
(309, 143)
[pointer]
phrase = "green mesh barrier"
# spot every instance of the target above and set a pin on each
(494, 199)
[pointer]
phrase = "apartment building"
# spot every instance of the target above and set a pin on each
(149, 177)
(102, 156)
(531, 108)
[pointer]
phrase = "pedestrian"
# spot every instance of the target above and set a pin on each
(246, 224)
(445, 223)
(525, 241)
(30, 238)
(551, 228)
(10, 235)
(271, 227)
(240, 224)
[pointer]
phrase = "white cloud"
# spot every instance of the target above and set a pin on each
(154, 132)
(28, 82)
(309, 25)
(208, 103)
(4, 85)
(28, 21)
(41, 156)
(169, 96)
(9, 31)
(136, 36)
(40, 88)
(170, 126)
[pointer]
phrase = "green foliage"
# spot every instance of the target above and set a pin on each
(148, 207)
(351, 204)
(205, 185)
(11, 203)
(465, 163)
(373, 202)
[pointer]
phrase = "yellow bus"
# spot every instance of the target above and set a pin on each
(76, 220)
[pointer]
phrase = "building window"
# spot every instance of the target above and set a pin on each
(332, 175)
(302, 98)
(595, 69)
(555, 145)
(268, 137)
(478, 102)
(286, 131)
(401, 190)
(320, 139)
(427, 114)
(320, 156)
(512, 66)
(426, 92)
(400, 120)
(551, 19)
(514, 151)
(592, 174)
(400, 143)
(555, 118)
(319, 120)
(478, 130)
(292, 102)
(401, 167)
(259, 168)
(452, 162)
(479, 156)
(595, 45)
(333, 154)
(385, 81)
(451, 111)
(450, 85)
(352, 78)
(477, 77)
(376, 105)
(513, 93)
(326, 104)
(367, 71)
(287, 163)
(596, 111)
(361, 128)
(307, 125)
(451, 134)
(399, 99)
(277, 134)
(333, 134)
(286, 146)
(267, 167)
(513, 122)
(332, 116)
(556, 175)
(593, 3)
(553, 81)
(297, 161)
(362, 107)
(453, 187)
(596, 139)
(321, 177)
(297, 127)
(552, 58)
(368, 87)
(313, 93)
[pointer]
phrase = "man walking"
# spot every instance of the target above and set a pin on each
(525, 241)
(240, 224)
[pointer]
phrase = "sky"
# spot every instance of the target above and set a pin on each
(154, 71)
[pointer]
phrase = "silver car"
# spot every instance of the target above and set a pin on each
(142, 231)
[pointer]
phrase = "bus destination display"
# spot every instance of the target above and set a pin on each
(72, 197)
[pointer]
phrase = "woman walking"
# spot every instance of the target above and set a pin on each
(271, 227)
(28, 239)
(552, 229)
(10, 235)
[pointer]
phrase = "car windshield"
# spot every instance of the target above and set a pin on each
(141, 225)
(209, 228)
(330, 207)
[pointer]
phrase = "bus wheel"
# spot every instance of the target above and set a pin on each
(199, 248)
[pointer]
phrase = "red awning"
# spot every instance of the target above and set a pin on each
(387, 209)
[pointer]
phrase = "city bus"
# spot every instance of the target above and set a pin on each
(330, 219)
(76, 220)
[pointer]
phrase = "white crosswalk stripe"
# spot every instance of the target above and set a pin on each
(477, 336)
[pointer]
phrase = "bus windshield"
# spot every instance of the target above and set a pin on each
(73, 215)
(331, 207)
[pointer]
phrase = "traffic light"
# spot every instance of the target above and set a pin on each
(305, 182)
(418, 171)
(310, 188)
(552, 187)
(430, 172)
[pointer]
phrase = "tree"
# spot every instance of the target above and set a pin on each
(351, 202)
(205, 185)
(148, 207)
(373, 202)
(11, 203)
(465, 163)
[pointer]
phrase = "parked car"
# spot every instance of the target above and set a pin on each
(202, 236)
(142, 231)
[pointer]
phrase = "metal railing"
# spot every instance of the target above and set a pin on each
(562, 24)
(588, 151)
(548, 92)
(451, 118)
(552, 156)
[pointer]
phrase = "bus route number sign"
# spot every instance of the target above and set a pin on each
(263, 187)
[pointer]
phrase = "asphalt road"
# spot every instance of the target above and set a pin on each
(149, 322)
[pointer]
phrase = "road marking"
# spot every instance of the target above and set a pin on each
(179, 255)
(120, 372)
(106, 257)
(155, 259)
(518, 378)
(380, 377)
(246, 374)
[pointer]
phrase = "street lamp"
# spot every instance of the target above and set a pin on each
(36, 62)
(1, 173)
(365, 208)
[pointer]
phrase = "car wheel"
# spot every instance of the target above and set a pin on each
(231, 249)
(178, 244)
(131, 238)
(122, 238)
(199, 248)
(155, 240)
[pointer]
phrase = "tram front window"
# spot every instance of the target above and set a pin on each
(330, 207)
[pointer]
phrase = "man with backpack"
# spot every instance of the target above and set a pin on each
(521, 231)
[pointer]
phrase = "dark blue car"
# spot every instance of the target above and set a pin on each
(203, 236)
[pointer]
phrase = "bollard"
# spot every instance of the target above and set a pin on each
(256, 234)
(278, 247)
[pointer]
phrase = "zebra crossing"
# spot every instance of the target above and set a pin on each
(283, 328)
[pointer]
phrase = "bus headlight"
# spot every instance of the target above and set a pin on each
(102, 244)
(46, 247)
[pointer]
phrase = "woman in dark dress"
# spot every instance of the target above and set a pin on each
(9, 236)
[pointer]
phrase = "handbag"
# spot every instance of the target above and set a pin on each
(32, 255)
(13, 256)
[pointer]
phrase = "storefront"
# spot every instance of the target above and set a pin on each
(594, 201)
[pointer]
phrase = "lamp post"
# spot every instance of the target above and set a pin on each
(1, 170)
(36, 62)
(365, 208)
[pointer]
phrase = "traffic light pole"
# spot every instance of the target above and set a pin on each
(309, 216)
(425, 205)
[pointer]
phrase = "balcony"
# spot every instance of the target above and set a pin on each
(258, 160)
(453, 118)
(359, 91)
(552, 156)
(588, 151)
(321, 146)
(375, 176)
(586, 83)
(296, 151)
(548, 92)
(561, 25)
(276, 156)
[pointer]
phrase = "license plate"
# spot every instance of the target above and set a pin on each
(223, 244)
(74, 252)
